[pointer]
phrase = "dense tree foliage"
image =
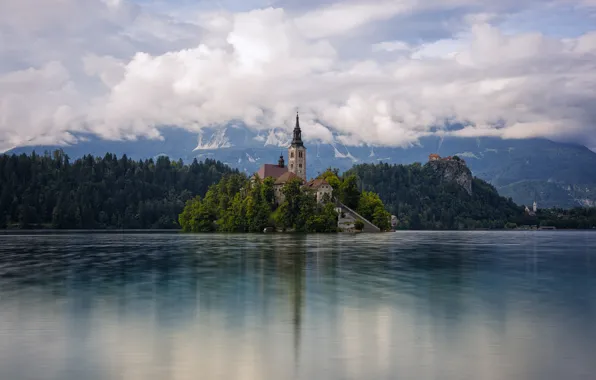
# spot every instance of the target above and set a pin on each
(238, 204)
(92, 192)
(576, 218)
(366, 203)
(421, 200)
(50, 191)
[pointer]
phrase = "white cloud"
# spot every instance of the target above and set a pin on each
(56, 102)
(109, 69)
(122, 72)
(390, 46)
(341, 18)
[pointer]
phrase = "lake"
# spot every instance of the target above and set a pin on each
(407, 305)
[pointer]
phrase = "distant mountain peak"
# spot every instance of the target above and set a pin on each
(251, 158)
(218, 140)
(348, 155)
(278, 138)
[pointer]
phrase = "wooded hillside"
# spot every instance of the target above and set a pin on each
(99, 192)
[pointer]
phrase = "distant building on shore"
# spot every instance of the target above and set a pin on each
(394, 221)
(531, 212)
(436, 157)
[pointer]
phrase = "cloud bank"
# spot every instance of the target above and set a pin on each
(382, 73)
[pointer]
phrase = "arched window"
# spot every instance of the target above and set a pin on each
(292, 155)
(300, 154)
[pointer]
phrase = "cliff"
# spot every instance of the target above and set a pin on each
(453, 171)
(437, 195)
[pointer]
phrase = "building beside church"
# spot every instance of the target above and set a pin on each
(296, 168)
(320, 188)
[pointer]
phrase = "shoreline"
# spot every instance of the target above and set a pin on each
(179, 231)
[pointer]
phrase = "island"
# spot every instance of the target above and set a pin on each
(279, 198)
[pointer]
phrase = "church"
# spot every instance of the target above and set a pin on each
(296, 168)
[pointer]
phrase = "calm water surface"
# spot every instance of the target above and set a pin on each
(427, 305)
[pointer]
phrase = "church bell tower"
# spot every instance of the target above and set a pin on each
(297, 153)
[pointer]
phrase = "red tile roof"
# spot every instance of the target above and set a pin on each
(316, 183)
(285, 178)
(270, 170)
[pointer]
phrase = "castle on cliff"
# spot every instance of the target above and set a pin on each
(436, 157)
(296, 168)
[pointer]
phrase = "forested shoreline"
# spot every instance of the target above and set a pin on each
(421, 200)
(51, 191)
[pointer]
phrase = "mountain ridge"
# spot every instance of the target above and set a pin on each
(548, 172)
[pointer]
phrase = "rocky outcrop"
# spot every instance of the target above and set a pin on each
(453, 171)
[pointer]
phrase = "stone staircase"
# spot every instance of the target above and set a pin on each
(353, 215)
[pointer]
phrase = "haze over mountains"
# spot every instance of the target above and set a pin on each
(551, 173)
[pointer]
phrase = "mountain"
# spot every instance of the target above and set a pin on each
(550, 173)
(437, 195)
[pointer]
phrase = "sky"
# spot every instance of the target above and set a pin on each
(382, 72)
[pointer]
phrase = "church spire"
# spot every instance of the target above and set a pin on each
(297, 137)
(297, 153)
(281, 162)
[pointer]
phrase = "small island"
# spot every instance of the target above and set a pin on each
(278, 198)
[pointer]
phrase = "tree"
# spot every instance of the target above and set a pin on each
(291, 191)
(307, 205)
(268, 190)
(282, 217)
(234, 218)
(325, 221)
(349, 193)
(381, 218)
(185, 219)
(368, 203)
(203, 221)
(27, 217)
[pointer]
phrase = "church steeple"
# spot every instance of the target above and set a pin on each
(297, 137)
(297, 153)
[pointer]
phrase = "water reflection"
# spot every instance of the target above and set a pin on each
(412, 305)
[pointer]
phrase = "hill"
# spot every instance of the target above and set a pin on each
(552, 173)
(92, 192)
(437, 195)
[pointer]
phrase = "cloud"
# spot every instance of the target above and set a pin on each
(123, 71)
(390, 46)
(56, 102)
(342, 18)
